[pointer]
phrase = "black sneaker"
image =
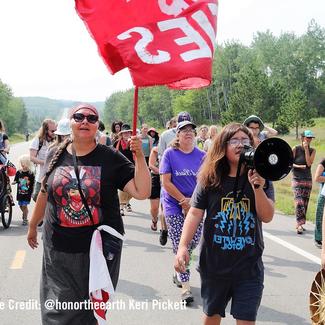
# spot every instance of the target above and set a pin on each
(163, 237)
(187, 297)
(318, 243)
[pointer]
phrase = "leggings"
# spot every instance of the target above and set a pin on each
(175, 226)
(319, 217)
(301, 189)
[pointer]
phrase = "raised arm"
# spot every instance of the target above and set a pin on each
(309, 157)
(139, 186)
(270, 132)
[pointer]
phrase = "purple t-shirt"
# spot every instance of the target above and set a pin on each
(183, 168)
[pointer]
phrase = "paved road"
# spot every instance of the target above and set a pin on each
(145, 292)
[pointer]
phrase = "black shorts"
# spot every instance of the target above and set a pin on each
(245, 296)
(155, 187)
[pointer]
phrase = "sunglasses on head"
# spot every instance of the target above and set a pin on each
(79, 117)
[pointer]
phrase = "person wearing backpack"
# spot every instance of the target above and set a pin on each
(38, 151)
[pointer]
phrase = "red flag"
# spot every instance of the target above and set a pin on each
(162, 42)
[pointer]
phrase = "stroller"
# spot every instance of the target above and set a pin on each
(6, 200)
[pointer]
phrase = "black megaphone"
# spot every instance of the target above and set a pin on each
(272, 159)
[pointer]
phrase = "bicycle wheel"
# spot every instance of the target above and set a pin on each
(6, 211)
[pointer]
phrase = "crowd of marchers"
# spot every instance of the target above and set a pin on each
(82, 177)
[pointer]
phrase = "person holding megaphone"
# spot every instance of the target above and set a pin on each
(230, 262)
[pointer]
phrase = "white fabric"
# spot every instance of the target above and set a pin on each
(165, 139)
(99, 277)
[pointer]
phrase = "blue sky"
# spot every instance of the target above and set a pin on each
(46, 50)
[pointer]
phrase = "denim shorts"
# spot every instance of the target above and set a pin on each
(23, 203)
(245, 296)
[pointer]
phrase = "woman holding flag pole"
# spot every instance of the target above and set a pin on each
(78, 194)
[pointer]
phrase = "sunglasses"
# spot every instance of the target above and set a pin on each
(79, 117)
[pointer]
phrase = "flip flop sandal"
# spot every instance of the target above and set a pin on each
(153, 225)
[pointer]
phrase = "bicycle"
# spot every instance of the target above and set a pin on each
(6, 200)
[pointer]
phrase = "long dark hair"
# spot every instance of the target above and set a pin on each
(215, 166)
(120, 123)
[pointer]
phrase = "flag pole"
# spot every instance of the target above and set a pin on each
(135, 111)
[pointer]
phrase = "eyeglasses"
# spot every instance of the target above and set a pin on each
(79, 117)
(236, 142)
(188, 130)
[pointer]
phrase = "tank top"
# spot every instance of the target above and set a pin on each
(300, 159)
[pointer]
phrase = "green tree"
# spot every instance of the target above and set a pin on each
(295, 111)
(249, 95)
(12, 110)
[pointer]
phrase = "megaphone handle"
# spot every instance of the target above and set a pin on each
(256, 186)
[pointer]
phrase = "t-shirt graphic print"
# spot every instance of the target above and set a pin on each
(70, 208)
(25, 184)
(234, 226)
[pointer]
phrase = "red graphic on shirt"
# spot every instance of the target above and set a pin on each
(70, 208)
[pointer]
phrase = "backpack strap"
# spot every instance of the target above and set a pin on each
(40, 145)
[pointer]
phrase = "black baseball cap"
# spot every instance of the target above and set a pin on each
(183, 116)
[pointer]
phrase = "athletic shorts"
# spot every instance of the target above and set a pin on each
(155, 187)
(245, 296)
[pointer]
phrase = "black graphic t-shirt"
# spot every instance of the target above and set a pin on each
(25, 184)
(104, 170)
(232, 243)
